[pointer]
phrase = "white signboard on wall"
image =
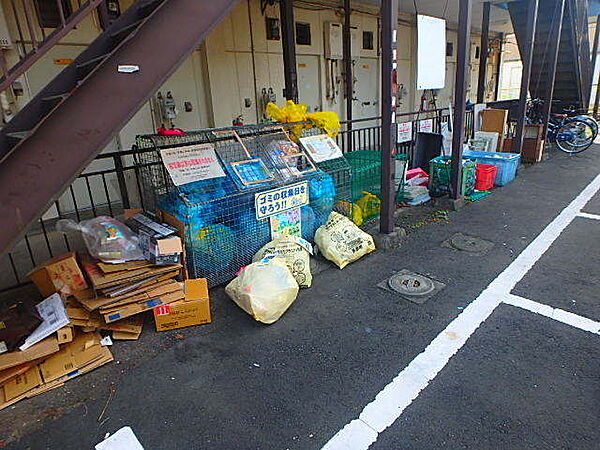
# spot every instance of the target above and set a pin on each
(431, 53)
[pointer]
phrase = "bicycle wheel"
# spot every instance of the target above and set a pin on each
(574, 136)
(590, 121)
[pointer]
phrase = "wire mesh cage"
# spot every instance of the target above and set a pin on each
(226, 219)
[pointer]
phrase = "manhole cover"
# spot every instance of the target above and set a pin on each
(412, 286)
(470, 244)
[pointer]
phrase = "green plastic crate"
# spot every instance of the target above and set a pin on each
(366, 171)
(440, 174)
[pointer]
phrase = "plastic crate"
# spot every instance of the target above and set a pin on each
(507, 164)
(486, 176)
(365, 166)
(440, 175)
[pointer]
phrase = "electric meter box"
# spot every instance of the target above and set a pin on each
(334, 41)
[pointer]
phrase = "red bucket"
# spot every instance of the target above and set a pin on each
(485, 176)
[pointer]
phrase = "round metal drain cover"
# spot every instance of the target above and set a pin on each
(468, 243)
(413, 285)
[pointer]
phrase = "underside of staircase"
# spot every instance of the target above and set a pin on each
(52, 139)
(573, 71)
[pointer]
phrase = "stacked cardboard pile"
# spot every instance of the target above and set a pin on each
(123, 290)
(44, 366)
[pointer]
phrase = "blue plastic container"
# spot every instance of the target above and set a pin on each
(508, 164)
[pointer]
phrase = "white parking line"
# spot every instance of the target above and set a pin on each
(389, 403)
(583, 323)
(589, 216)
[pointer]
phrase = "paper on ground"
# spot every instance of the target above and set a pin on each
(52, 311)
(124, 439)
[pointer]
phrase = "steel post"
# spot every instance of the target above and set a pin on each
(460, 96)
(556, 31)
(389, 24)
(484, 52)
(527, 58)
(348, 71)
(288, 42)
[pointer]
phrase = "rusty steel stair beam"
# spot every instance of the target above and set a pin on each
(41, 167)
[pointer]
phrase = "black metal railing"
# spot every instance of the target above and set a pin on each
(111, 183)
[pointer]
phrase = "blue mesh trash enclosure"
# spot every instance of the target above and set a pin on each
(219, 215)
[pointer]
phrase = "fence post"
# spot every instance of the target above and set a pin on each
(119, 170)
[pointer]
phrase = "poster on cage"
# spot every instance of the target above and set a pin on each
(286, 224)
(191, 163)
(321, 148)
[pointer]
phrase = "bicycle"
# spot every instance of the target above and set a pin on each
(572, 133)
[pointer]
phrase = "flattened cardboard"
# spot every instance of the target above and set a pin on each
(101, 280)
(44, 348)
(22, 383)
(163, 289)
(130, 265)
(136, 308)
(124, 336)
(61, 274)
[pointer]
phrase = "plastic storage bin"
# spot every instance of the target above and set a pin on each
(366, 171)
(507, 163)
(440, 174)
(486, 176)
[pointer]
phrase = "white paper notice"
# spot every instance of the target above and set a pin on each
(431, 53)
(404, 132)
(321, 148)
(192, 163)
(52, 311)
(426, 126)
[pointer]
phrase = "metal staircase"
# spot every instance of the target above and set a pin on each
(52, 139)
(573, 71)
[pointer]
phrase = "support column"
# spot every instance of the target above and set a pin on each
(348, 72)
(484, 52)
(389, 24)
(460, 96)
(526, 58)
(594, 62)
(556, 31)
(288, 42)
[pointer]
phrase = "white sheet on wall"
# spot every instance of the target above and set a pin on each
(431, 53)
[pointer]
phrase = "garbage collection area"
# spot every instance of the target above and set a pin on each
(246, 208)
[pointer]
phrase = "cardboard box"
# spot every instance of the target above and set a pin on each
(158, 241)
(193, 310)
(61, 274)
(44, 348)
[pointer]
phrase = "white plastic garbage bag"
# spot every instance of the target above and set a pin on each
(341, 241)
(295, 251)
(264, 289)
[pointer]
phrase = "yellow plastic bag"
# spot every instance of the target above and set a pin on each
(342, 242)
(291, 112)
(370, 206)
(295, 251)
(264, 289)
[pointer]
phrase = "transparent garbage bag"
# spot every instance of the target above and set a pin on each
(264, 289)
(106, 239)
(341, 241)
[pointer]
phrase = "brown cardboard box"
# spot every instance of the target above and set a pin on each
(43, 348)
(61, 274)
(64, 335)
(193, 310)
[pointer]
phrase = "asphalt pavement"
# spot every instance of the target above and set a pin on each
(521, 380)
